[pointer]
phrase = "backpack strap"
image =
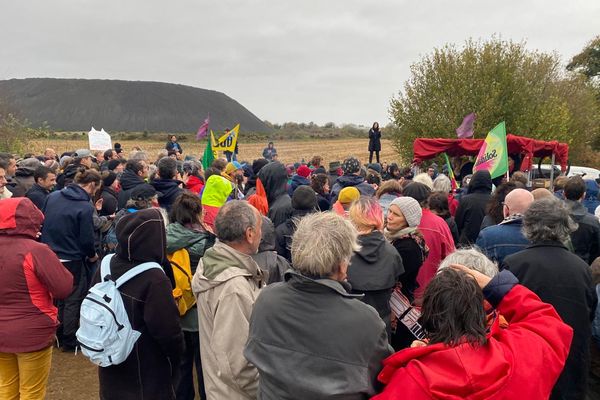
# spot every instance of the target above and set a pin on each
(105, 267)
(136, 271)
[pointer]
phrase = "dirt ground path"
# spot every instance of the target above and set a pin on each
(72, 377)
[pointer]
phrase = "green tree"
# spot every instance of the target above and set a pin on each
(588, 61)
(16, 132)
(499, 81)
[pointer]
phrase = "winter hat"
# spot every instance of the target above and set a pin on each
(28, 164)
(82, 153)
(375, 167)
(112, 164)
(334, 166)
(303, 171)
(410, 208)
(319, 170)
(351, 165)
(109, 178)
(232, 167)
(348, 195)
(258, 164)
(144, 192)
(417, 191)
(304, 198)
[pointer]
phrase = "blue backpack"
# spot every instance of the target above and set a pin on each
(105, 333)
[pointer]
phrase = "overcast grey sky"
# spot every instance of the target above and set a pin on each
(305, 60)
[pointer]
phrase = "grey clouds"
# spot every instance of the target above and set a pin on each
(301, 61)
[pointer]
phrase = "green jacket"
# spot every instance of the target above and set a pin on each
(196, 243)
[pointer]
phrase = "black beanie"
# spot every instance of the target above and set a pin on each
(417, 191)
(304, 198)
(109, 178)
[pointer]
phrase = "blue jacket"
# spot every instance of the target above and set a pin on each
(68, 226)
(297, 181)
(504, 239)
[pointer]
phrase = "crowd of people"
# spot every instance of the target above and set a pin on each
(353, 281)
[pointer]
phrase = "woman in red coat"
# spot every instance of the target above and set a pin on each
(32, 276)
(463, 361)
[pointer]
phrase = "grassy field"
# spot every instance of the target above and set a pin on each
(289, 151)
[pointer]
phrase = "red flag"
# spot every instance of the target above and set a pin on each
(465, 129)
(203, 130)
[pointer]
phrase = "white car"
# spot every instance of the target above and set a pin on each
(585, 172)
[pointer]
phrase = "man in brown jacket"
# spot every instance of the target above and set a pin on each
(226, 285)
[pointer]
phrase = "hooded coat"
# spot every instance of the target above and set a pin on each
(311, 339)
(267, 258)
(351, 180)
(274, 179)
(215, 194)
(68, 226)
(520, 362)
(561, 279)
(32, 277)
(226, 285)
(129, 180)
(471, 209)
(194, 184)
(170, 189)
(374, 270)
(149, 371)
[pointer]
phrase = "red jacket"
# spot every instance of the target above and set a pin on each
(439, 240)
(194, 184)
(31, 276)
(522, 361)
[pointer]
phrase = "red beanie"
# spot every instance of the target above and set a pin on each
(303, 171)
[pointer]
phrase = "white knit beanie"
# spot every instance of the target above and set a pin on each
(410, 209)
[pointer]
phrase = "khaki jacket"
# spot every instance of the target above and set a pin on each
(226, 285)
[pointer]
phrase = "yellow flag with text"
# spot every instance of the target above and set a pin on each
(226, 142)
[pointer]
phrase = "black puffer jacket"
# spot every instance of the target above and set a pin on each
(274, 179)
(109, 201)
(129, 180)
(267, 257)
(471, 209)
(337, 348)
(374, 270)
(150, 370)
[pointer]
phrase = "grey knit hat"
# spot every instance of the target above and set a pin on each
(410, 209)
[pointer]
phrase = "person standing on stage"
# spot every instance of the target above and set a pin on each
(374, 142)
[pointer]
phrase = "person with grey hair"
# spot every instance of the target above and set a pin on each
(473, 259)
(309, 337)
(506, 238)
(562, 279)
(226, 285)
(443, 184)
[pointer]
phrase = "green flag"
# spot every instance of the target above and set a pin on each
(208, 157)
(493, 155)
